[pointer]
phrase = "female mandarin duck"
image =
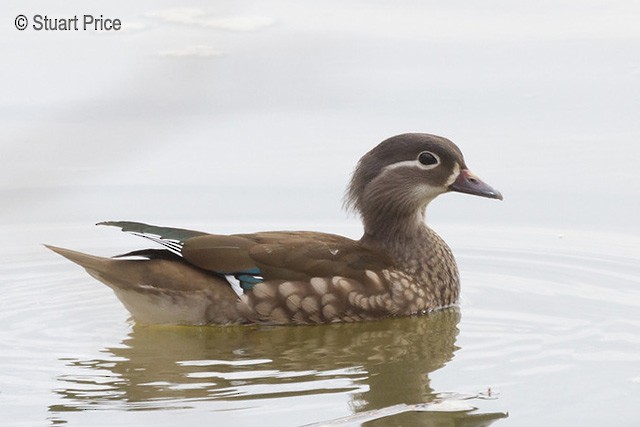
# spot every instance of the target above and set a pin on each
(399, 267)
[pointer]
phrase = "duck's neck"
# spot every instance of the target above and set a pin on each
(402, 235)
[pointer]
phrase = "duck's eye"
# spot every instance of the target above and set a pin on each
(427, 159)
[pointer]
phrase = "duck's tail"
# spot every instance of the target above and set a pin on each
(163, 289)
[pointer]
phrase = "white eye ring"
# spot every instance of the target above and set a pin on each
(428, 160)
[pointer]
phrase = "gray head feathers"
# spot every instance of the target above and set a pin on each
(389, 182)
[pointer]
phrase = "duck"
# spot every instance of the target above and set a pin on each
(399, 267)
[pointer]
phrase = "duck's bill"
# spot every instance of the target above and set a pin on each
(468, 183)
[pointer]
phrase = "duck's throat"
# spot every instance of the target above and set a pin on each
(400, 235)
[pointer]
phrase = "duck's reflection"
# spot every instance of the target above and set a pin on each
(374, 364)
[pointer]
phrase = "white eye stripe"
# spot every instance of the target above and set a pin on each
(414, 163)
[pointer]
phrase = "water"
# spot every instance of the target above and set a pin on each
(546, 332)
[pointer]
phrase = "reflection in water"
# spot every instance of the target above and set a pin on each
(374, 364)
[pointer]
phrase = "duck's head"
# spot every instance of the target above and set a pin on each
(400, 176)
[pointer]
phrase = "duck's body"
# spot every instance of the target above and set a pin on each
(273, 277)
(400, 266)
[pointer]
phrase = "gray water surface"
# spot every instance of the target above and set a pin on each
(547, 331)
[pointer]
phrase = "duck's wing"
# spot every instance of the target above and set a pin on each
(275, 255)
(288, 276)
(283, 255)
(305, 277)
